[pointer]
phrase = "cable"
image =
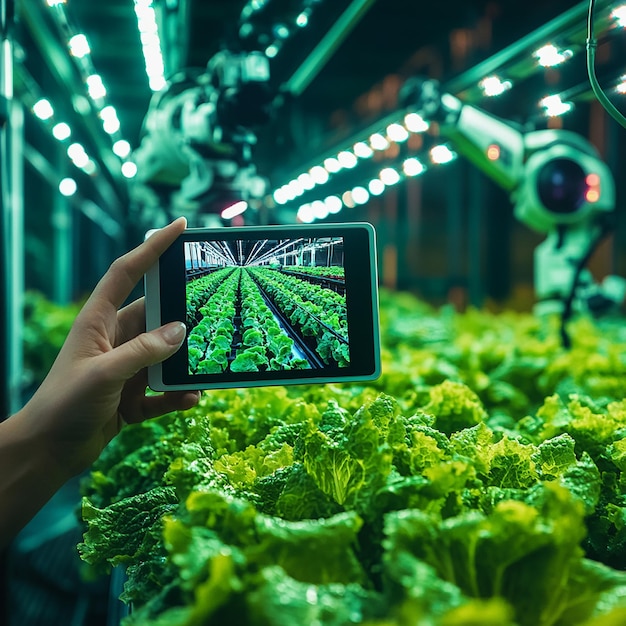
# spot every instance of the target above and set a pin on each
(569, 302)
(592, 44)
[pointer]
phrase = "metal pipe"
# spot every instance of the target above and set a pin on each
(324, 50)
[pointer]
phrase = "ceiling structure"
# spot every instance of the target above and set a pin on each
(323, 72)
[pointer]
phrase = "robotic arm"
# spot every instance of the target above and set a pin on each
(196, 149)
(558, 185)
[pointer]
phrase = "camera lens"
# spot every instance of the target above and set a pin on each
(561, 186)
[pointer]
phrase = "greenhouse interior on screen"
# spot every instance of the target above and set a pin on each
(266, 305)
(481, 479)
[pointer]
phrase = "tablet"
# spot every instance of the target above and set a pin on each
(271, 305)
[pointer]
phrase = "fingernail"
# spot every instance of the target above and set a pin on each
(181, 217)
(174, 333)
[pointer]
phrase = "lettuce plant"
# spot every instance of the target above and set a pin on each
(480, 480)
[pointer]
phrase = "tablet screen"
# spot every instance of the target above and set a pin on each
(271, 305)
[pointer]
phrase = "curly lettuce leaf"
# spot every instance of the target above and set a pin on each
(127, 530)
(351, 463)
(455, 406)
(522, 552)
(280, 600)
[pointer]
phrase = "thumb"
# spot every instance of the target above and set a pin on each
(145, 349)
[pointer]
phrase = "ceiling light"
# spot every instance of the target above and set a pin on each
(306, 181)
(95, 87)
(554, 106)
(235, 209)
(348, 200)
(389, 176)
(61, 131)
(397, 133)
(302, 20)
(68, 187)
(305, 214)
(281, 31)
(619, 15)
(333, 204)
(320, 210)
(319, 175)
(376, 186)
(129, 169)
(494, 86)
(412, 167)
(347, 159)
(79, 46)
(360, 195)
(280, 196)
(441, 154)
(361, 149)
(332, 165)
(43, 109)
(90, 167)
(295, 188)
(110, 121)
(121, 148)
(291, 191)
(415, 123)
(77, 153)
(151, 44)
(379, 142)
(549, 55)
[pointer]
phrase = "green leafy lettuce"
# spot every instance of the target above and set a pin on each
(480, 481)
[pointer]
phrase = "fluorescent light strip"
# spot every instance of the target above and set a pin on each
(150, 43)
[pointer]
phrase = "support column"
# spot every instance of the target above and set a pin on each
(63, 249)
(11, 222)
(475, 230)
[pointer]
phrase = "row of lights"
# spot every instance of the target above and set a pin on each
(396, 132)
(61, 131)
(491, 86)
(79, 48)
(552, 106)
(150, 43)
(280, 31)
(387, 177)
(547, 56)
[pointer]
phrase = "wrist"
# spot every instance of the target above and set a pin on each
(29, 475)
(29, 447)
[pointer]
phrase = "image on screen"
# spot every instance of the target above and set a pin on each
(266, 305)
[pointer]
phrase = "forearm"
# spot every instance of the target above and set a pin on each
(29, 476)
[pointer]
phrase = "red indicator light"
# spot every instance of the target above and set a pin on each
(593, 183)
(493, 152)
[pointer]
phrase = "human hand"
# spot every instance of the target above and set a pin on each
(99, 378)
